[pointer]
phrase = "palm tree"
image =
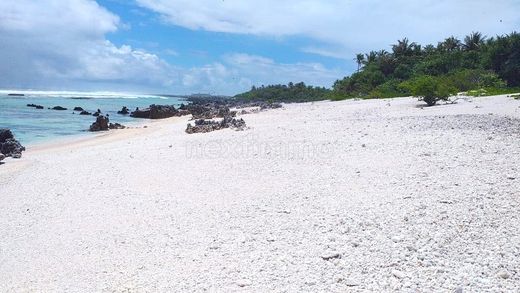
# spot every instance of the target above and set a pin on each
(451, 44)
(474, 41)
(371, 57)
(382, 53)
(429, 49)
(403, 48)
(360, 58)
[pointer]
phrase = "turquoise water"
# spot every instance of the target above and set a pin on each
(31, 125)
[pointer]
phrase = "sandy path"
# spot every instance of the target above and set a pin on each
(343, 196)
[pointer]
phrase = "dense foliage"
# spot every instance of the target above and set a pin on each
(477, 65)
(451, 66)
(298, 92)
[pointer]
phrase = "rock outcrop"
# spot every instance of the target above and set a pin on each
(203, 126)
(59, 108)
(35, 106)
(101, 124)
(124, 111)
(9, 146)
(155, 112)
(116, 126)
(85, 113)
(78, 109)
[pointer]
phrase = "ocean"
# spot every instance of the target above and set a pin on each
(32, 126)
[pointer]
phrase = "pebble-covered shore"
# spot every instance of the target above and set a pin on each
(351, 196)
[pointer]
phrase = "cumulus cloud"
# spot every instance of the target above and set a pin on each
(354, 25)
(53, 43)
(56, 44)
(238, 72)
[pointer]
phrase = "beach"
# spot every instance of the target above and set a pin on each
(368, 195)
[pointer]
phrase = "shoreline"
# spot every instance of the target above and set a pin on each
(148, 126)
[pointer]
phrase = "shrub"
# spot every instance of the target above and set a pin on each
(430, 89)
(473, 79)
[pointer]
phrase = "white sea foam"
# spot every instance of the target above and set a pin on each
(79, 94)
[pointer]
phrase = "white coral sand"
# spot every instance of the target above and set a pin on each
(373, 195)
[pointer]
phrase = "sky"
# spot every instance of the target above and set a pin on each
(218, 46)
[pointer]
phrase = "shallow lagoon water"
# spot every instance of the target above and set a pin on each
(31, 125)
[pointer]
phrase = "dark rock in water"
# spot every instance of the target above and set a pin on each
(101, 124)
(59, 108)
(16, 95)
(155, 112)
(138, 113)
(95, 114)
(9, 146)
(35, 106)
(124, 111)
(85, 113)
(78, 109)
(203, 126)
(116, 126)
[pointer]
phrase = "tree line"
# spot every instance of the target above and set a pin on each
(477, 64)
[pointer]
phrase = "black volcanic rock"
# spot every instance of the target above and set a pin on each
(59, 108)
(9, 146)
(124, 111)
(155, 112)
(35, 106)
(116, 126)
(101, 124)
(203, 126)
(85, 113)
(78, 109)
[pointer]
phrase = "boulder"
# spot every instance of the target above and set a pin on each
(203, 126)
(124, 111)
(138, 113)
(35, 106)
(5, 134)
(9, 146)
(78, 109)
(85, 113)
(101, 124)
(116, 126)
(59, 108)
(155, 112)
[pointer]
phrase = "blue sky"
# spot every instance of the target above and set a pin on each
(218, 46)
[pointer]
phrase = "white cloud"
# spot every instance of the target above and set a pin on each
(57, 44)
(353, 25)
(54, 43)
(238, 72)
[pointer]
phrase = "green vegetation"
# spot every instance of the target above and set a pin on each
(477, 65)
(430, 89)
(298, 92)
